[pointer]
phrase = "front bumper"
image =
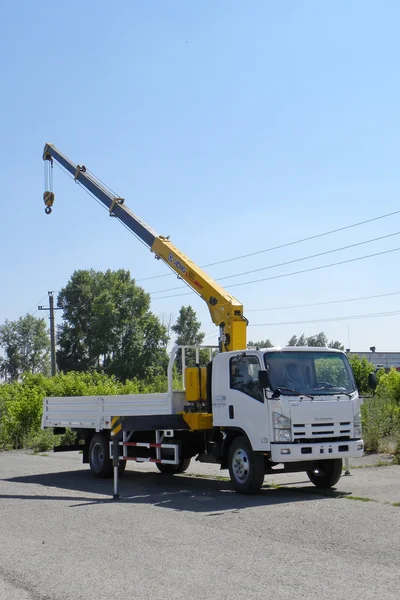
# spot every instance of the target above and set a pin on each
(282, 453)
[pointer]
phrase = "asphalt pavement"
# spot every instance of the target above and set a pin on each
(190, 536)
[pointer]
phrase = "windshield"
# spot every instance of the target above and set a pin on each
(313, 373)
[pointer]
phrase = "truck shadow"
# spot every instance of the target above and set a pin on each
(195, 493)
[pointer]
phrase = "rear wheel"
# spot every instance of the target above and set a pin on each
(100, 462)
(325, 473)
(174, 469)
(246, 467)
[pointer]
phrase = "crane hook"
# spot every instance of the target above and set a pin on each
(48, 199)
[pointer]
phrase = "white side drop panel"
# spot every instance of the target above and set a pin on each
(95, 412)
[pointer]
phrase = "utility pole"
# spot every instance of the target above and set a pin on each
(51, 308)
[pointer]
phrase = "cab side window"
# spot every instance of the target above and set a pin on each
(244, 376)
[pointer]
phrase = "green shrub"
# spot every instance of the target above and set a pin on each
(381, 414)
(43, 440)
(361, 369)
(68, 438)
(396, 457)
(21, 404)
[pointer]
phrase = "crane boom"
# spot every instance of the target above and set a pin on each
(226, 312)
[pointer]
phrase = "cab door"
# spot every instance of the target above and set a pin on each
(246, 404)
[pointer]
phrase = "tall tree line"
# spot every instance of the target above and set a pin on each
(107, 326)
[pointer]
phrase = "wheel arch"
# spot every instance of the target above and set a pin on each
(87, 435)
(231, 434)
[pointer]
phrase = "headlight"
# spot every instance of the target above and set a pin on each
(357, 425)
(283, 435)
(280, 421)
(282, 428)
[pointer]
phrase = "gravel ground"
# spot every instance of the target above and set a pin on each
(191, 537)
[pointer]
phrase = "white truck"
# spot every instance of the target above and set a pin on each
(253, 412)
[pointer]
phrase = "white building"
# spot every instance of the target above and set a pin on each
(386, 360)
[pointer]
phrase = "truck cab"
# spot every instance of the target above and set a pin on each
(298, 406)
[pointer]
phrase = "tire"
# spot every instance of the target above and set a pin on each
(325, 473)
(246, 467)
(100, 462)
(174, 469)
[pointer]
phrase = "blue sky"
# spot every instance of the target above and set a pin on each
(230, 126)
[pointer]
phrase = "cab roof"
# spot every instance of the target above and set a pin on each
(298, 349)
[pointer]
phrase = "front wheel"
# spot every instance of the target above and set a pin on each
(246, 467)
(325, 473)
(167, 469)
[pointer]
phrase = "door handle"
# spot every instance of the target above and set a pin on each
(231, 412)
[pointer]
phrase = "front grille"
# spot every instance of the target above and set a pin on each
(321, 440)
(321, 432)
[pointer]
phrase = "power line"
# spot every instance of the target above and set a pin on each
(35, 306)
(323, 303)
(210, 335)
(312, 237)
(279, 247)
(330, 319)
(289, 262)
(271, 249)
(342, 262)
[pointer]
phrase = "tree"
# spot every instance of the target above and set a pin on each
(262, 344)
(187, 328)
(318, 340)
(108, 327)
(295, 341)
(26, 347)
(167, 319)
(336, 345)
(361, 369)
(302, 341)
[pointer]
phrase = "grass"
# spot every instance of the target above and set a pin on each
(200, 476)
(360, 498)
(273, 486)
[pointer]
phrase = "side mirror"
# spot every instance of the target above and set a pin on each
(372, 381)
(263, 379)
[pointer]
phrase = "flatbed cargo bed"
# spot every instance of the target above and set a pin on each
(95, 412)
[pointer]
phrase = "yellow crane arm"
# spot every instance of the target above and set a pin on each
(225, 310)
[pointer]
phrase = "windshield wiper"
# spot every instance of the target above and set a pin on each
(293, 392)
(332, 392)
